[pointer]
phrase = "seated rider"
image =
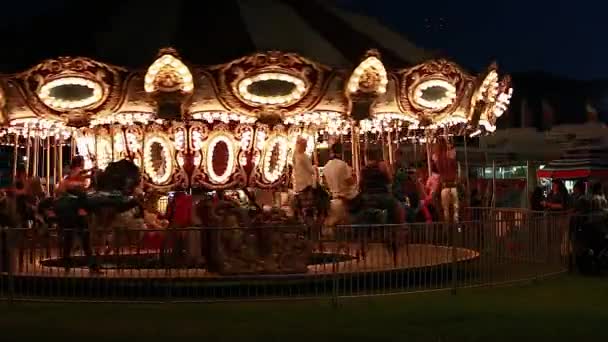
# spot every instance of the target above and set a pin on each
(71, 211)
(375, 188)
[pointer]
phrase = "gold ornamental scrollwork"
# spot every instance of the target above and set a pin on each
(442, 72)
(227, 78)
(178, 133)
(108, 78)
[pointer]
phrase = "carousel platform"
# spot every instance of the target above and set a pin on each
(147, 275)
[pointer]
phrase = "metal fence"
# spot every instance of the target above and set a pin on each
(493, 246)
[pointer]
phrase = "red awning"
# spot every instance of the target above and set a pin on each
(572, 174)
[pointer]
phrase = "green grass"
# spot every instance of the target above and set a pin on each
(567, 308)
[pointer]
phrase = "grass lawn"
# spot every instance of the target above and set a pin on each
(567, 308)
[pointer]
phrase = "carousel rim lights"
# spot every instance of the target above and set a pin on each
(211, 144)
(166, 156)
(171, 65)
(274, 174)
(225, 117)
(371, 64)
(123, 118)
(296, 94)
(440, 103)
(44, 93)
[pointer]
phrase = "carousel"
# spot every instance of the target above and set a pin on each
(234, 126)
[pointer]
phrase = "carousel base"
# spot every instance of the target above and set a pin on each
(147, 275)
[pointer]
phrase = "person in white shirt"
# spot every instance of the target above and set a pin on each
(303, 170)
(341, 184)
(303, 179)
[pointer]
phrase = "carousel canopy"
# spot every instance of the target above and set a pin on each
(578, 162)
(129, 33)
(241, 80)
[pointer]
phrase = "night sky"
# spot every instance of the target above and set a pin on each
(565, 37)
(559, 36)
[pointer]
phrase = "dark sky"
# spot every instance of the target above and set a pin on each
(566, 37)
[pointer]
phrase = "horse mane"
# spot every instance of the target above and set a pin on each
(122, 175)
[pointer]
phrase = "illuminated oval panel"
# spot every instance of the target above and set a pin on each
(68, 93)
(434, 94)
(272, 88)
(275, 158)
(220, 158)
(158, 162)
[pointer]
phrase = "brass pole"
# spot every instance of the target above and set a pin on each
(15, 156)
(36, 155)
(428, 154)
(365, 147)
(391, 158)
(355, 150)
(72, 147)
(28, 152)
(142, 150)
(466, 171)
(55, 163)
(60, 159)
(48, 165)
(111, 143)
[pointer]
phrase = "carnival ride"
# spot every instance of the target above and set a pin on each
(234, 125)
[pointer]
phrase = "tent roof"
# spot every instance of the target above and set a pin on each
(130, 33)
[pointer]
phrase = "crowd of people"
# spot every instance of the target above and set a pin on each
(405, 196)
(580, 200)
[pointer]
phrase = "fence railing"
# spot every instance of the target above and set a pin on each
(211, 264)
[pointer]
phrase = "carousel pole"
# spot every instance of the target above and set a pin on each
(15, 156)
(365, 147)
(72, 147)
(428, 154)
(143, 149)
(354, 132)
(55, 163)
(111, 141)
(36, 155)
(60, 163)
(466, 172)
(391, 158)
(383, 144)
(48, 165)
(342, 144)
(28, 152)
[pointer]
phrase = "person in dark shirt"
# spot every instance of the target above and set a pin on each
(536, 199)
(580, 202)
(558, 197)
(375, 187)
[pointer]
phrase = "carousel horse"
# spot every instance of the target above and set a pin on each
(111, 194)
(251, 240)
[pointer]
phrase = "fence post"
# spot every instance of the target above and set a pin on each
(11, 276)
(453, 227)
(334, 278)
